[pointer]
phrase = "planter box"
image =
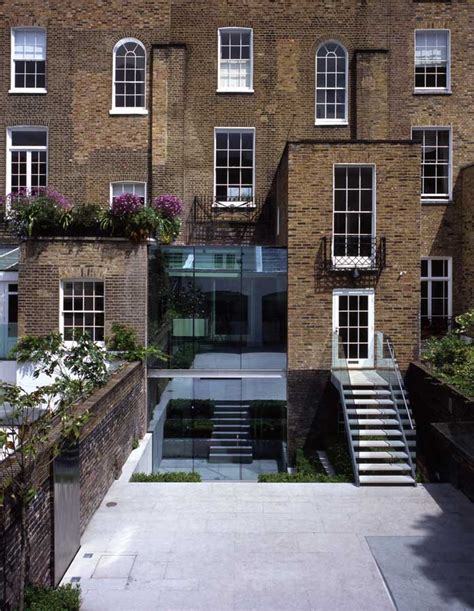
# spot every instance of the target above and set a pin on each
(190, 327)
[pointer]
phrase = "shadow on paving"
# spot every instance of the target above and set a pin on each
(433, 570)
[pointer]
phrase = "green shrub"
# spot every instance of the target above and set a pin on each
(62, 598)
(267, 409)
(267, 428)
(307, 471)
(183, 357)
(175, 476)
(452, 360)
(179, 428)
(202, 408)
(339, 457)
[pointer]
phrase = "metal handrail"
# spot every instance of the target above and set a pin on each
(339, 345)
(398, 375)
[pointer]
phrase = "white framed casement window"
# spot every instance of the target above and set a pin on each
(27, 158)
(28, 60)
(436, 291)
(331, 84)
(354, 192)
(436, 162)
(235, 65)
(234, 166)
(82, 309)
(353, 324)
(133, 187)
(129, 78)
(432, 61)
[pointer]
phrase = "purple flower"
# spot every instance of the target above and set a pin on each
(25, 197)
(169, 205)
(126, 203)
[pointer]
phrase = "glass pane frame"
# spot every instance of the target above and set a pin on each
(28, 65)
(33, 160)
(436, 162)
(238, 68)
(429, 69)
(430, 280)
(82, 308)
(129, 82)
(238, 191)
(331, 84)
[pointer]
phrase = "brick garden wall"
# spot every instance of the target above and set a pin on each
(121, 264)
(118, 416)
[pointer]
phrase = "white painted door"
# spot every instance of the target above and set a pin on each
(353, 322)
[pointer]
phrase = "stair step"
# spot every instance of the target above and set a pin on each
(372, 422)
(231, 458)
(384, 466)
(234, 412)
(380, 455)
(368, 392)
(221, 425)
(376, 433)
(371, 411)
(230, 419)
(231, 405)
(369, 402)
(386, 479)
(218, 449)
(379, 443)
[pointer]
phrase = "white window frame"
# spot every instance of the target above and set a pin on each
(127, 182)
(342, 261)
(124, 110)
(61, 305)
(430, 90)
(431, 198)
(334, 121)
(221, 89)
(13, 89)
(354, 363)
(28, 149)
(430, 278)
(242, 203)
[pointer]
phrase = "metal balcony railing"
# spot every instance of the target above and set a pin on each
(353, 253)
(209, 209)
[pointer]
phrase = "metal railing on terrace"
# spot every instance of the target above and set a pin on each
(349, 253)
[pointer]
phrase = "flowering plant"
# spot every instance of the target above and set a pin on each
(36, 211)
(125, 204)
(169, 206)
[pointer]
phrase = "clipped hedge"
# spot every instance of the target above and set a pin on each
(62, 598)
(179, 408)
(268, 409)
(177, 428)
(173, 476)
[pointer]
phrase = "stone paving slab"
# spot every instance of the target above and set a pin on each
(244, 546)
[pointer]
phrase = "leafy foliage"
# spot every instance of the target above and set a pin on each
(45, 212)
(62, 598)
(307, 471)
(451, 358)
(175, 476)
(124, 345)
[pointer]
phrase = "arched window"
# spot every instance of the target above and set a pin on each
(129, 77)
(331, 84)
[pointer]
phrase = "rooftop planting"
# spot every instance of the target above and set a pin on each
(44, 212)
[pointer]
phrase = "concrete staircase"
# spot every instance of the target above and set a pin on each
(381, 438)
(231, 441)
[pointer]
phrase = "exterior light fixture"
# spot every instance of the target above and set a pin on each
(355, 273)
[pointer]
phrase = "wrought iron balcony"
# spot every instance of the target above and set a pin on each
(207, 208)
(356, 254)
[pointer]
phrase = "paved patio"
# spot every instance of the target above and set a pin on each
(219, 546)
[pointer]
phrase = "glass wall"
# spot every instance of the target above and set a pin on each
(219, 308)
(223, 429)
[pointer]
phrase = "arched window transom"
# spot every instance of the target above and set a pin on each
(331, 84)
(129, 76)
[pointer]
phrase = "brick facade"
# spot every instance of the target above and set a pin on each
(45, 263)
(118, 415)
(172, 147)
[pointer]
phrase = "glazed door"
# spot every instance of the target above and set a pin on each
(353, 321)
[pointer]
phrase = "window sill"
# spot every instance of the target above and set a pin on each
(237, 204)
(322, 123)
(235, 90)
(429, 201)
(432, 92)
(29, 91)
(131, 111)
